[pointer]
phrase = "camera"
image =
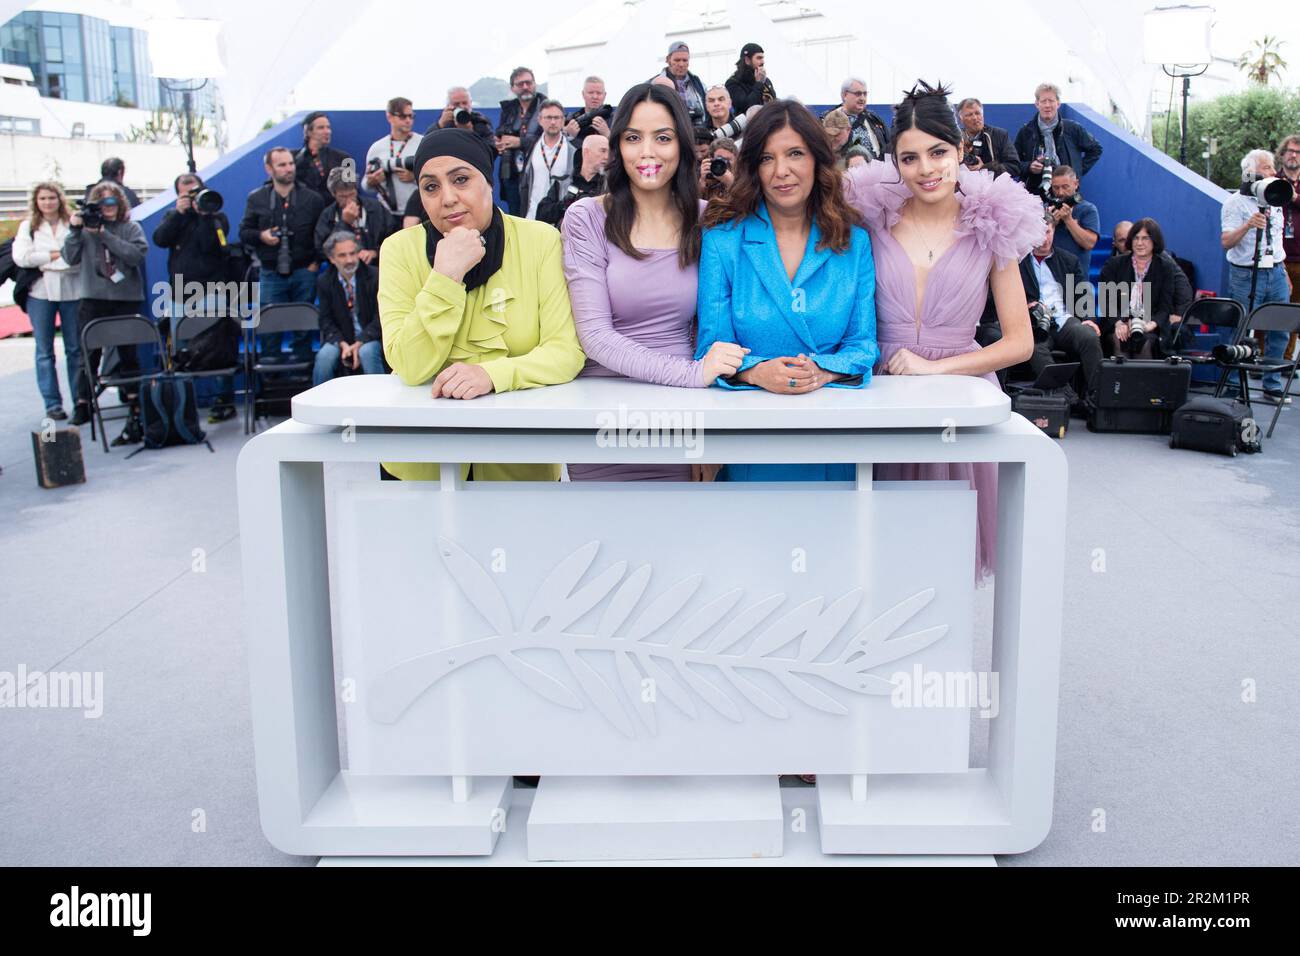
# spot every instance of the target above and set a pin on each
(972, 151)
(1241, 352)
(461, 116)
(584, 119)
(718, 166)
(1041, 321)
(206, 201)
(92, 213)
(391, 165)
(732, 129)
(283, 254)
(1268, 192)
(1056, 202)
(1136, 331)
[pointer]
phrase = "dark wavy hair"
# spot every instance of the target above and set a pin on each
(826, 203)
(926, 108)
(620, 207)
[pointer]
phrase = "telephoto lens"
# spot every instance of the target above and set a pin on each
(207, 200)
(1041, 320)
(283, 254)
(1241, 352)
(1136, 331)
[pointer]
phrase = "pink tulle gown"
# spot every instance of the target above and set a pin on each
(999, 221)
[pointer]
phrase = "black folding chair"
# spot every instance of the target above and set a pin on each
(107, 332)
(272, 320)
(1217, 314)
(1273, 317)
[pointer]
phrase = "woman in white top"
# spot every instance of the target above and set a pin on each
(56, 291)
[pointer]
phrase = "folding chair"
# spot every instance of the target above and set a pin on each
(1218, 314)
(272, 320)
(187, 327)
(106, 332)
(1272, 317)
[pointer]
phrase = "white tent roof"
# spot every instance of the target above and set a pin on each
(355, 54)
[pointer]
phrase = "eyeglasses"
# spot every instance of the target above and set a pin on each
(403, 115)
(1290, 149)
(856, 92)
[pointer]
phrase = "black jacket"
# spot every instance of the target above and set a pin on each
(197, 245)
(700, 118)
(335, 319)
(512, 123)
(1119, 269)
(606, 112)
(1061, 264)
(746, 93)
(313, 178)
(1075, 147)
(996, 150)
(264, 210)
(379, 224)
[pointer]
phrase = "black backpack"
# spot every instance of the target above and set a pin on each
(24, 279)
(169, 413)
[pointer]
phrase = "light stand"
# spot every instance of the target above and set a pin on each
(1180, 71)
(187, 91)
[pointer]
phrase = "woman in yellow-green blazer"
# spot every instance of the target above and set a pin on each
(474, 301)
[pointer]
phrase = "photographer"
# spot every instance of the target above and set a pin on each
(717, 171)
(195, 234)
(360, 216)
(1078, 223)
(986, 147)
(1119, 238)
(550, 167)
(1052, 279)
(386, 172)
(517, 127)
(1143, 319)
(688, 86)
(110, 249)
(749, 85)
(837, 126)
(317, 158)
(1250, 228)
(866, 129)
(113, 170)
(594, 117)
(459, 113)
(279, 227)
(589, 180)
(348, 295)
(1047, 141)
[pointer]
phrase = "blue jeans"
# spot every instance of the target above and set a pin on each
(329, 358)
(42, 312)
(1269, 287)
(297, 286)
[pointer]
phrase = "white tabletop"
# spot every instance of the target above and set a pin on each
(922, 401)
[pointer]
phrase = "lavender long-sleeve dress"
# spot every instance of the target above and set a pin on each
(999, 222)
(635, 319)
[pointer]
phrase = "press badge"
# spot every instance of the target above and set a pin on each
(117, 276)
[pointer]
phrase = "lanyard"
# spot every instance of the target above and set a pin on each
(349, 292)
(550, 162)
(398, 154)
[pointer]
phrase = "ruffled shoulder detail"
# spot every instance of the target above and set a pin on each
(1000, 213)
(877, 192)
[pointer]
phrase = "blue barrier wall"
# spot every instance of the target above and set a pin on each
(1132, 179)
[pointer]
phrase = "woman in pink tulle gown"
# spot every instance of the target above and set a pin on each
(942, 236)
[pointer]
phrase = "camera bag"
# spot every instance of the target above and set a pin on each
(1139, 395)
(1215, 425)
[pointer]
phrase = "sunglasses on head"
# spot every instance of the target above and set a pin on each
(108, 201)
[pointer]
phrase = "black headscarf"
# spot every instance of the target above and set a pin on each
(464, 145)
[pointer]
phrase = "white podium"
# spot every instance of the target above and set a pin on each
(658, 652)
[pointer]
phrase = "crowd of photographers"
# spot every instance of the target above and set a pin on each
(318, 208)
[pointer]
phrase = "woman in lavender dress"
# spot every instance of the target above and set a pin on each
(942, 237)
(631, 258)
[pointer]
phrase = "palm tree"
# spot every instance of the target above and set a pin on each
(1262, 62)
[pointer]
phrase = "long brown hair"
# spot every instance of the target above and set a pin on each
(37, 216)
(620, 207)
(826, 203)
